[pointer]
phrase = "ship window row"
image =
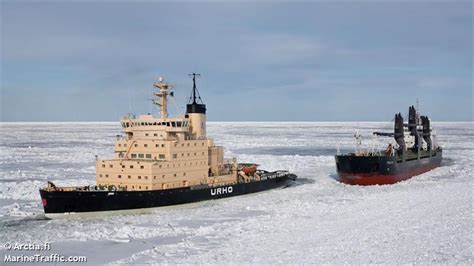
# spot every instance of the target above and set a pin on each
(140, 177)
(129, 177)
(123, 166)
(168, 124)
(188, 144)
(185, 164)
(154, 135)
(133, 187)
(175, 155)
(144, 145)
(160, 156)
(167, 165)
(162, 145)
(142, 156)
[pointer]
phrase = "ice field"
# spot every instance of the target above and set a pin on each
(427, 219)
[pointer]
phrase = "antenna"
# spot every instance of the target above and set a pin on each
(129, 101)
(195, 93)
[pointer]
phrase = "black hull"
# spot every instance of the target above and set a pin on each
(69, 202)
(382, 170)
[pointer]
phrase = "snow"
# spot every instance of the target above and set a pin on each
(427, 219)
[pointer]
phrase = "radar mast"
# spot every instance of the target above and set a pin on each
(195, 96)
(162, 94)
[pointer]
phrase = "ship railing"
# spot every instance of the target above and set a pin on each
(51, 188)
(272, 175)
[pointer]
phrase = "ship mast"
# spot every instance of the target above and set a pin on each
(195, 93)
(163, 95)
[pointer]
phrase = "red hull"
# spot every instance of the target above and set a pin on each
(380, 179)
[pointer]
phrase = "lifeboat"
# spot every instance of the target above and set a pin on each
(248, 168)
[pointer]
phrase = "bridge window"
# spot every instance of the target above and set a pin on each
(161, 156)
(140, 155)
(148, 156)
(134, 155)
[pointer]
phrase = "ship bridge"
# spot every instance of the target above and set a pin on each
(149, 127)
(150, 123)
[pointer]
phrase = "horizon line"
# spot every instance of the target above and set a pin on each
(241, 121)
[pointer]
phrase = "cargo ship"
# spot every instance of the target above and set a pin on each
(161, 161)
(416, 151)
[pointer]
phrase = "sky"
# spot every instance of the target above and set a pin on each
(343, 61)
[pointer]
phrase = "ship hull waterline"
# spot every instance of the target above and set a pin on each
(71, 204)
(361, 171)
